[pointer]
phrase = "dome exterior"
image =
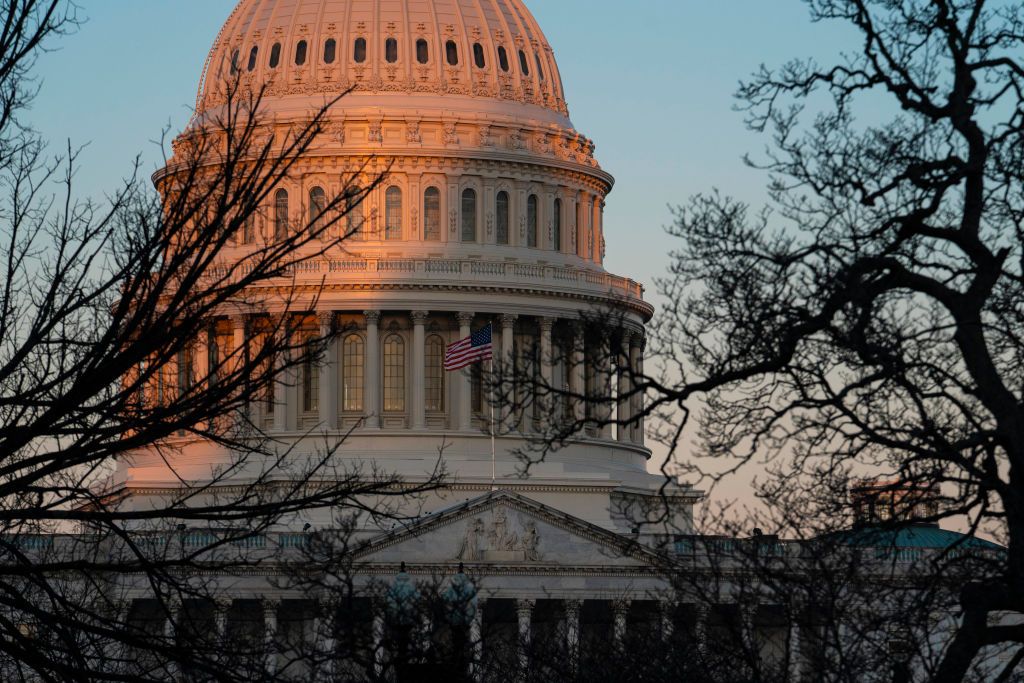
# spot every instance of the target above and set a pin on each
(485, 56)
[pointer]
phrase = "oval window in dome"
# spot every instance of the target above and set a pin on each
(391, 50)
(422, 51)
(478, 56)
(359, 54)
(300, 53)
(502, 58)
(451, 51)
(234, 63)
(253, 54)
(330, 51)
(524, 63)
(275, 55)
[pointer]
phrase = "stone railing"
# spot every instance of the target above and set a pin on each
(461, 272)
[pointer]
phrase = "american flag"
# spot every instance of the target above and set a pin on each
(475, 347)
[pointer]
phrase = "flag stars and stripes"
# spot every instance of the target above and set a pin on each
(476, 347)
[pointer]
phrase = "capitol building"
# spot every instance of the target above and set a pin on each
(485, 207)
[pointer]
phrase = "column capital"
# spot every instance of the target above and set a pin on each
(525, 605)
(465, 317)
(419, 317)
(621, 606)
(372, 317)
(546, 324)
(326, 318)
(222, 604)
(508, 320)
(270, 606)
(572, 607)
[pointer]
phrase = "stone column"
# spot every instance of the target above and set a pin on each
(270, 608)
(378, 644)
(620, 610)
(281, 379)
(239, 333)
(328, 398)
(524, 615)
(476, 643)
(323, 631)
(605, 410)
(700, 630)
(636, 361)
(625, 414)
(577, 375)
(748, 613)
(508, 406)
(546, 369)
(795, 654)
(572, 632)
(465, 416)
(371, 369)
(419, 342)
(667, 611)
(201, 356)
(171, 635)
(221, 607)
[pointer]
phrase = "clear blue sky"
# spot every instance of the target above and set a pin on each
(651, 81)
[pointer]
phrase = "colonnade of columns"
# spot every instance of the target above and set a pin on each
(611, 376)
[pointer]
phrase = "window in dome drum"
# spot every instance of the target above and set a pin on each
(330, 51)
(502, 58)
(469, 215)
(422, 51)
(253, 54)
(300, 53)
(391, 50)
(540, 68)
(281, 214)
(524, 63)
(317, 206)
(360, 51)
(531, 221)
(451, 51)
(393, 214)
(432, 214)
(275, 55)
(234, 63)
(556, 235)
(501, 207)
(478, 56)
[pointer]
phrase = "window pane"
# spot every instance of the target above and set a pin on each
(354, 213)
(478, 56)
(300, 53)
(330, 51)
(391, 50)
(253, 54)
(434, 379)
(422, 51)
(317, 204)
(360, 50)
(469, 215)
(394, 374)
(531, 221)
(451, 51)
(432, 214)
(557, 222)
(502, 208)
(352, 373)
(524, 63)
(393, 214)
(281, 214)
(275, 55)
(503, 58)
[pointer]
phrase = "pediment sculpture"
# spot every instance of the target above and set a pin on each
(500, 539)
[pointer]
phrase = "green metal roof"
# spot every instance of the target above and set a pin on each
(923, 536)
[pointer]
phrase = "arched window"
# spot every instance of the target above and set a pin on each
(501, 205)
(317, 206)
(502, 58)
(531, 221)
(393, 214)
(451, 53)
(432, 214)
(422, 51)
(469, 215)
(249, 229)
(275, 55)
(330, 51)
(359, 54)
(540, 67)
(434, 374)
(394, 374)
(281, 214)
(391, 50)
(310, 377)
(253, 55)
(234, 63)
(352, 373)
(354, 213)
(300, 53)
(557, 225)
(478, 56)
(524, 63)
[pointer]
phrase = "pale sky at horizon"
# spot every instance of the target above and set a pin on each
(651, 83)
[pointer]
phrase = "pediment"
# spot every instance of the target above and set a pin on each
(503, 528)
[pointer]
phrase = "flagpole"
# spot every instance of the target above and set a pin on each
(494, 486)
